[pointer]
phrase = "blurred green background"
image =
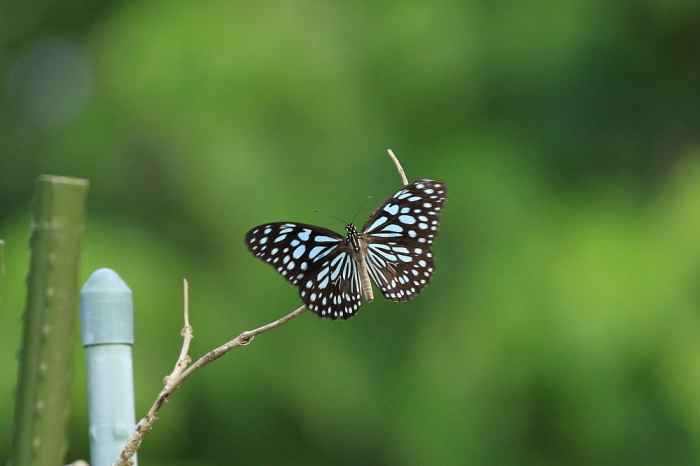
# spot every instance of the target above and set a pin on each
(563, 324)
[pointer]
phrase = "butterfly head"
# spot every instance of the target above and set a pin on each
(353, 236)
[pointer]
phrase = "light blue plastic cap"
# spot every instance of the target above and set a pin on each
(106, 310)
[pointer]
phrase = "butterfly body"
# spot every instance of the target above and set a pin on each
(358, 250)
(333, 272)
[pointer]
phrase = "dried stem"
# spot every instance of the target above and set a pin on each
(180, 374)
(188, 334)
(398, 167)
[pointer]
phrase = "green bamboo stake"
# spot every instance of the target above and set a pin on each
(2, 258)
(46, 354)
(2, 264)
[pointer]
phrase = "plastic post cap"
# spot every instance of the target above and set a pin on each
(106, 310)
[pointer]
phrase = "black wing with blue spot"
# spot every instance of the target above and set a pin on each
(294, 249)
(316, 260)
(399, 235)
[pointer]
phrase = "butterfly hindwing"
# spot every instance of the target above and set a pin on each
(400, 271)
(333, 290)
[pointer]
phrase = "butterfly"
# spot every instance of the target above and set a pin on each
(333, 271)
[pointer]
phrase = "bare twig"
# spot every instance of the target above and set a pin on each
(398, 167)
(187, 333)
(174, 380)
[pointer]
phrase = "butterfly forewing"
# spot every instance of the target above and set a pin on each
(411, 214)
(395, 243)
(294, 249)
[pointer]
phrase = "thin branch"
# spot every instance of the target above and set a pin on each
(398, 167)
(174, 380)
(188, 334)
(241, 340)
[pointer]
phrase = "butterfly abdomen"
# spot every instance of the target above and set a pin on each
(359, 252)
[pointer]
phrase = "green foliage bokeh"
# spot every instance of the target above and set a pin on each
(563, 322)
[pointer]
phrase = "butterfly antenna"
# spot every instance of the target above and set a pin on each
(361, 207)
(322, 212)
